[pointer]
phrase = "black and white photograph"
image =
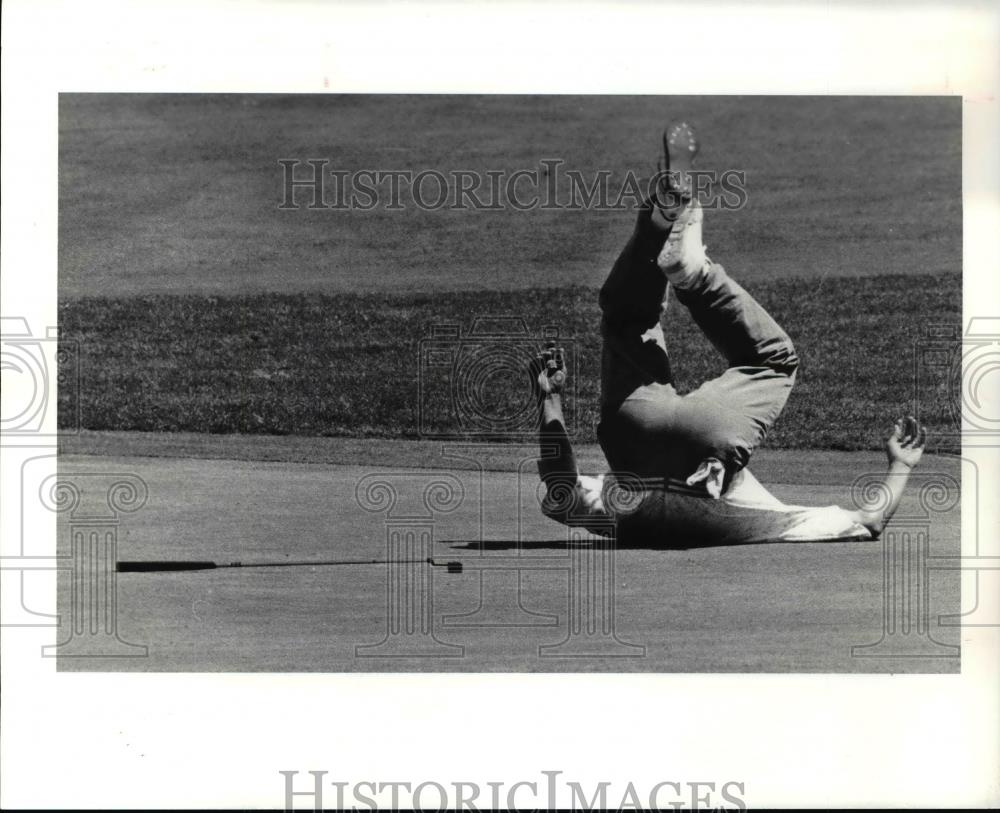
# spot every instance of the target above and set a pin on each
(513, 383)
(378, 377)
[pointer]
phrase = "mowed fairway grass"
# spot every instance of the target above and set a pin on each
(198, 305)
(316, 364)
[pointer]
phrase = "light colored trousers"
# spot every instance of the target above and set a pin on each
(646, 427)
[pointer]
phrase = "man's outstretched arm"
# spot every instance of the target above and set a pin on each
(570, 498)
(550, 378)
(903, 447)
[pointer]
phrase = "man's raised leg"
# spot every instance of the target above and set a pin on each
(633, 297)
(736, 324)
(762, 360)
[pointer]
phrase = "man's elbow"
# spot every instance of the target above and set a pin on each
(874, 521)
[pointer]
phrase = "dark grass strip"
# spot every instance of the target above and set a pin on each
(353, 365)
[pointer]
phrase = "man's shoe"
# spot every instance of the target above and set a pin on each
(683, 255)
(673, 181)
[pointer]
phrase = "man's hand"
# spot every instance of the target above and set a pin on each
(906, 443)
(712, 473)
(549, 369)
(903, 447)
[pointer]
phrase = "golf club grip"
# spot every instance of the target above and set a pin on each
(162, 566)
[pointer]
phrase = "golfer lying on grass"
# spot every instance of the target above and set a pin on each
(683, 459)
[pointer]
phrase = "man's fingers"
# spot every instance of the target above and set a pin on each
(905, 430)
(712, 473)
(700, 475)
(560, 360)
(539, 366)
(703, 472)
(551, 360)
(919, 438)
(909, 433)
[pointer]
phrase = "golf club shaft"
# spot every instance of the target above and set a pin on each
(157, 566)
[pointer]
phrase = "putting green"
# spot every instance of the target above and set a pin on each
(526, 593)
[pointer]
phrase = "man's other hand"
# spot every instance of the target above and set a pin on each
(906, 442)
(712, 473)
(549, 368)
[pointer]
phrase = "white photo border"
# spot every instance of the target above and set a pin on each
(218, 740)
